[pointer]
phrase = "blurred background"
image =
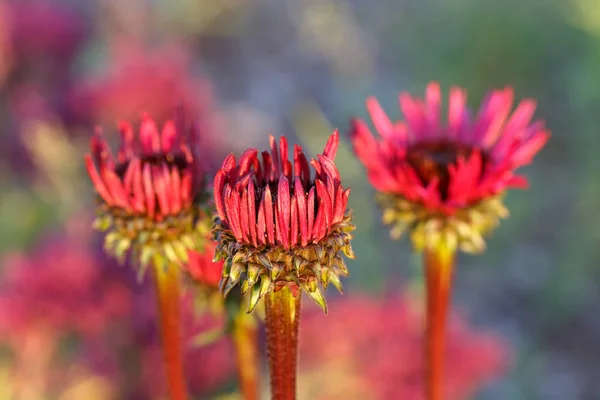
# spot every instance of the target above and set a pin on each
(74, 325)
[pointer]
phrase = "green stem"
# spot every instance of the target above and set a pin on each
(168, 281)
(245, 340)
(282, 321)
(439, 264)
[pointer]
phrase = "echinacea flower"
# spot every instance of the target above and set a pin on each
(280, 232)
(445, 181)
(150, 196)
(151, 204)
(279, 227)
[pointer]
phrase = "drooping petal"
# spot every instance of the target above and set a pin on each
(97, 180)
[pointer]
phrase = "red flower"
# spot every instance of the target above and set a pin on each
(367, 353)
(273, 217)
(444, 169)
(150, 194)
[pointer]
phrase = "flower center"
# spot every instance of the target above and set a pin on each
(431, 159)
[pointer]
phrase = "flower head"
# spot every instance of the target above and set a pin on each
(277, 226)
(446, 181)
(150, 196)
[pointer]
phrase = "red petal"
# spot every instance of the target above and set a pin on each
(175, 191)
(128, 180)
(218, 185)
(149, 191)
(274, 158)
(338, 213)
(456, 109)
(283, 209)
(149, 137)
(413, 113)
(294, 221)
(346, 196)
(186, 188)
(232, 206)
(302, 218)
(160, 188)
(252, 212)
(381, 121)
(169, 136)
(97, 180)
(268, 201)
(247, 160)
(518, 182)
(499, 108)
(228, 163)
(332, 145)
(101, 151)
(364, 144)
(433, 98)
(261, 223)
(268, 167)
(115, 188)
(138, 188)
(330, 168)
(244, 217)
(127, 135)
(528, 150)
(301, 166)
(319, 227)
(283, 150)
(311, 212)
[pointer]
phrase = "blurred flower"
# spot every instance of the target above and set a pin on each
(367, 354)
(446, 182)
(150, 197)
(45, 31)
(61, 291)
(278, 226)
(62, 287)
(66, 295)
(202, 268)
(157, 81)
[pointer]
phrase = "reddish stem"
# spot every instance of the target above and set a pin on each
(168, 283)
(245, 339)
(439, 264)
(282, 321)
